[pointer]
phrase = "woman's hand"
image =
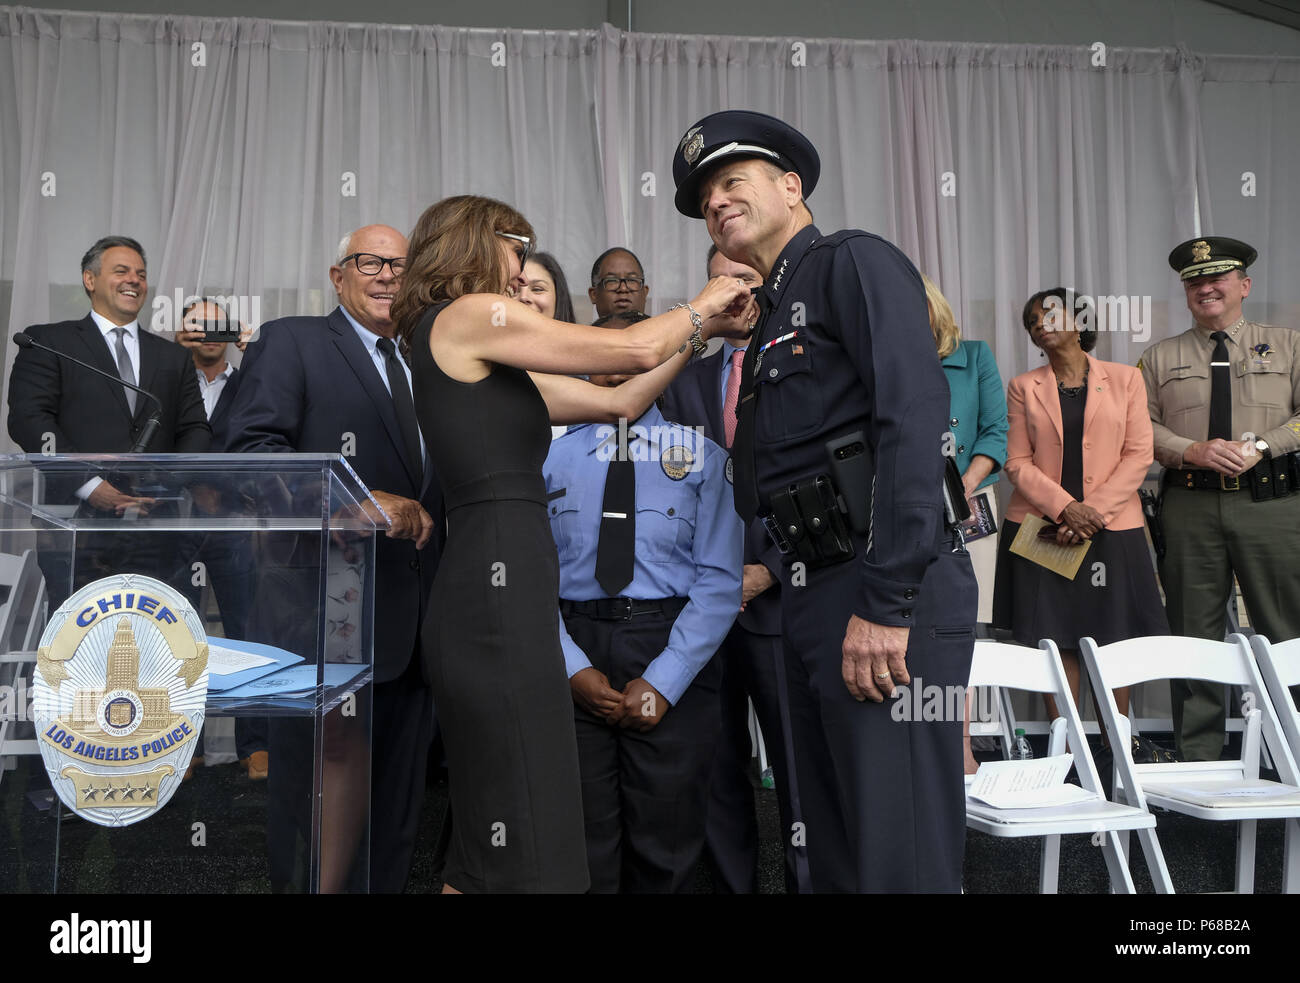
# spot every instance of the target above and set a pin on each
(722, 295)
(1079, 522)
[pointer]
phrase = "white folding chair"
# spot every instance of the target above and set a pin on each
(1229, 790)
(1040, 671)
(21, 622)
(1279, 664)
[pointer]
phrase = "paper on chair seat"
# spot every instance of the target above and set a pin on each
(1035, 784)
(1226, 794)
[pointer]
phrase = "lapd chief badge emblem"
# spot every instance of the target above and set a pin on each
(692, 144)
(120, 690)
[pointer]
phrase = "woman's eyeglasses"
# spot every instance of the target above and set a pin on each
(525, 248)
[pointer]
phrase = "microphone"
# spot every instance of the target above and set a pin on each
(23, 340)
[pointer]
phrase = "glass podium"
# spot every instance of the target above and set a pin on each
(276, 553)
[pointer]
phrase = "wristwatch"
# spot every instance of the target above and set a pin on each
(697, 336)
(1265, 451)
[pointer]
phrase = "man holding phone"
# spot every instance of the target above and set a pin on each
(227, 557)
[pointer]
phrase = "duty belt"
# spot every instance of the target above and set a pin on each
(807, 522)
(623, 608)
(1277, 477)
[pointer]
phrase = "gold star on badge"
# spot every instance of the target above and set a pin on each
(89, 792)
(110, 793)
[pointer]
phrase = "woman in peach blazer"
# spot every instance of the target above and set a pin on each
(1078, 449)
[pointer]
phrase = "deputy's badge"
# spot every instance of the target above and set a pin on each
(1200, 251)
(692, 144)
(120, 690)
(677, 461)
(729, 471)
(1262, 351)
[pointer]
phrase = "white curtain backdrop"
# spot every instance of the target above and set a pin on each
(1000, 169)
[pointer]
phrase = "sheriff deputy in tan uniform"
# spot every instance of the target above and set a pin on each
(1223, 398)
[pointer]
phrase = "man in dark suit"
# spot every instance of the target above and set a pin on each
(704, 395)
(336, 384)
(58, 407)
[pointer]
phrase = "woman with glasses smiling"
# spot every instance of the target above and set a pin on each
(488, 372)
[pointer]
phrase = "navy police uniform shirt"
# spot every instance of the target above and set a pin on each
(844, 344)
(689, 540)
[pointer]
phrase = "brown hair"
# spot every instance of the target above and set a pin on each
(454, 251)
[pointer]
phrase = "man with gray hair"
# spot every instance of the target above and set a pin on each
(59, 407)
(338, 384)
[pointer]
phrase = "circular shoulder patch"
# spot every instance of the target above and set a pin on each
(120, 688)
(677, 462)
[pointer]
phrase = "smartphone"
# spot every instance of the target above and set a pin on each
(221, 329)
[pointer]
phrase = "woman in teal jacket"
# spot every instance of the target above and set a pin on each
(978, 421)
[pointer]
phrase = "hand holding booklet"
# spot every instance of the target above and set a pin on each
(1031, 784)
(1064, 560)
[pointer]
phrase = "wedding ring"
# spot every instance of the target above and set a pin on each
(883, 675)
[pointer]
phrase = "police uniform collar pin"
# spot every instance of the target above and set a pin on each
(776, 281)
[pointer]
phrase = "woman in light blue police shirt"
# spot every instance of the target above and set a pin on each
(978, 421)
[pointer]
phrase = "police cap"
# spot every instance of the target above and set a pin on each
(1210, 255)
(734, 134)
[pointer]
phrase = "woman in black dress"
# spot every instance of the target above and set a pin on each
(1078, 448)
(486, 385)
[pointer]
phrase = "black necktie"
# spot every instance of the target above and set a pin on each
(617, 546)
(1220, 388)
(742, 448)
(403, 404)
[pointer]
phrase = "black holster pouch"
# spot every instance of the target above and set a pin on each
(1274, 478)
(806, 523)
(1155, 526)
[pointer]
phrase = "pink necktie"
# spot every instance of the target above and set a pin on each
(733, 394)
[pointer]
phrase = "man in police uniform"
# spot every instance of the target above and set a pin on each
(753, 664)
(650, 553)
(876, 592)
(1224, 398)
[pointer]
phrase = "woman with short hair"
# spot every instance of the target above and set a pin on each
(1078, 449)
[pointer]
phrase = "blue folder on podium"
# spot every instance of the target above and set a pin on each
(284, 679)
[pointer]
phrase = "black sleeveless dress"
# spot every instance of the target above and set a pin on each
(492, 639)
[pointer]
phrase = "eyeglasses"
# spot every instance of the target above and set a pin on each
(370, 264)
(524, 253)
(612, 282)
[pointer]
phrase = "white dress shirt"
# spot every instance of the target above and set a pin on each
(211, 391)
(131, 341)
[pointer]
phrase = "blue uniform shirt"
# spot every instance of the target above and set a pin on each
(689, 540)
